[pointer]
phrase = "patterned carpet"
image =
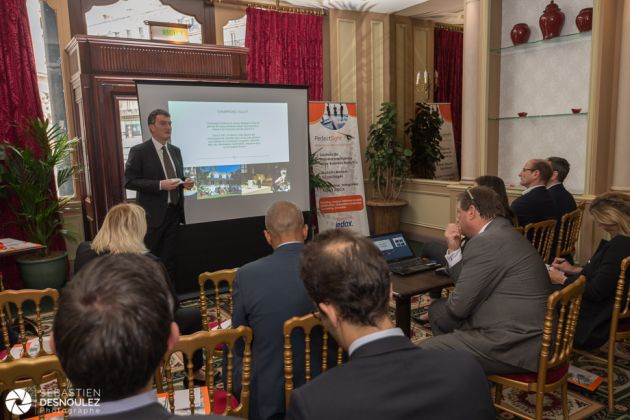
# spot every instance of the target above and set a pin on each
(582, 403)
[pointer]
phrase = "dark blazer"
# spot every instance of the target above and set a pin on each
(143, 173)
(266, 293)
(563, 199)
(602, 274)
(392, 379)
(149, 412)
(535, 206)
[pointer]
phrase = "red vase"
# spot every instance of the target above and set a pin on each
(520, 33)
(551, 21)
(584, 19)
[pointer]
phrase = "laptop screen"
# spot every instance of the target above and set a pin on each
(393, 246)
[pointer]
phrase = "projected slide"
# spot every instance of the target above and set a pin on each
(233, 148)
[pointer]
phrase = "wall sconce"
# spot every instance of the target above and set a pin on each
(425, 83)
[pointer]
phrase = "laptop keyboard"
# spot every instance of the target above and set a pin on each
(412, 262)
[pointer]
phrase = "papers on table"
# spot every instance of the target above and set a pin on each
(583, 378)
(182, 401)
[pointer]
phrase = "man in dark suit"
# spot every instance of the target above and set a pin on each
(497, 308)
(114, 324)
(536, 204)
(156, 171)
(563, 199)
(386, 376)
(267, 292)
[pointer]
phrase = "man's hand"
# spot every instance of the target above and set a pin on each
(563, 265)
(453, 237)
(169, 184)
(189, 183)
(557, 276)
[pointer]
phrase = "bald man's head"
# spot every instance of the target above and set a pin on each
(284, 222)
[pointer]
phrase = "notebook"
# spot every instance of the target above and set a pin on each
(399, 255)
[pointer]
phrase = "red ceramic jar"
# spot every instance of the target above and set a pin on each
(551, 21)
(584, 19)
(520, 33)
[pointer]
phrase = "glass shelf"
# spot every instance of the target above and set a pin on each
(543, 42)
(529, 117)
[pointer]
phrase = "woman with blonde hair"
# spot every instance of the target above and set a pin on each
(611, 212)
(123, 231)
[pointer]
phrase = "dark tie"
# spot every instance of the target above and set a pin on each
(170, 174)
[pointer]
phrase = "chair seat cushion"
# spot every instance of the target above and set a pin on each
(553, 375)
(220, 399)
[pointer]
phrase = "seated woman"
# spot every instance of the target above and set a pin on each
(611, 211)
(498, 186)
(123, 231)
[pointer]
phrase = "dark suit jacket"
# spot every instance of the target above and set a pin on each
(143, 173)
(563, 199)
(602, 274)
(392, 379)
(149, 412)
(535, 206)
(500, 296)
(267, 292)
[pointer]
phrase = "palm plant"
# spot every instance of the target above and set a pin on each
(29, 176)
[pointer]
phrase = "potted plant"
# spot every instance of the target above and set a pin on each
(389, 163)
(424, 135)
(30, 178)
(316, 182)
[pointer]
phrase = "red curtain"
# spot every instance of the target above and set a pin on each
(448, 63)
(19, 100)
(285, 48)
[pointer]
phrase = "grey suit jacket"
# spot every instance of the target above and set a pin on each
(501, 290)
(148, 412)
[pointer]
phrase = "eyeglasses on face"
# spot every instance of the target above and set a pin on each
(528, 169)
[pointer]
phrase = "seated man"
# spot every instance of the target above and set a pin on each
(536, 204)
(111, 335)
(267, 292)
(386, 376)
(497, 308)
(563, 199)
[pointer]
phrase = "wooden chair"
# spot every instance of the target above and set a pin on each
(17, 298)
(563, 308)
(217, 278)
(34, 371)
(618, 332)
(540, 234)
(208, 341)
(307, 323)
(569, 233)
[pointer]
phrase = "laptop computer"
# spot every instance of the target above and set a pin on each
(399, 255)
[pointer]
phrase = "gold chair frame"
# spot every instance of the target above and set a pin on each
(621, 299)
(552, 355)
(17, 298)
(216, 277)
(307, 323)
(34, 371)
(542, 234)
(569, 234)
(208, 341)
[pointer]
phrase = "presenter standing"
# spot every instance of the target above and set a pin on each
(156, 171)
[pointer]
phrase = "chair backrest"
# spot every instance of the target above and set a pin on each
(569, 233)
(34, 371)
(563, 308)
(540, 234)
(17, 298)
(217, 278)
(207, 341)
(306, 323)
(621, 308)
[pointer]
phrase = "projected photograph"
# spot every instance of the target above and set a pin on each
(192, 174)
(265, 178)
(218, 181)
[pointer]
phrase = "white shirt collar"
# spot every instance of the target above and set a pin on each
(361, 341)
(484, 227)
(158, 145)
(531, 188)
(554, 184)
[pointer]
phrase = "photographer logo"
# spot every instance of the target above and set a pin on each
(18, 401)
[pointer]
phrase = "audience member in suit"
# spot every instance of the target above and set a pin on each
(122, 232)
(563, 199)
(611, 211)
(155, 170)
(536, 204)
(114, 324)
(386, 376)
(267, 292)
(497, 308)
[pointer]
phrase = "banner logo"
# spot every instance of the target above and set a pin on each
(18, 401)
